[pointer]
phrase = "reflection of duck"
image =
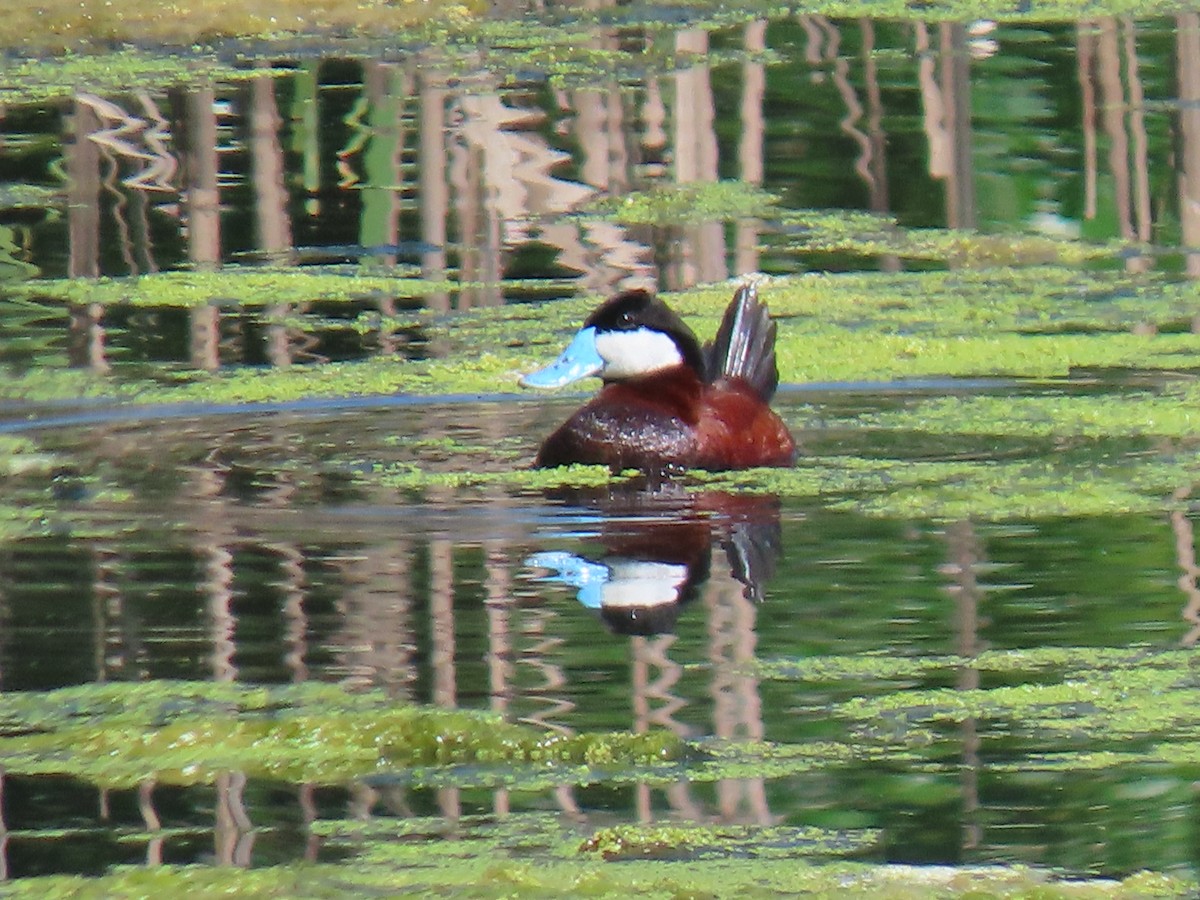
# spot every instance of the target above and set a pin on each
(658, 554)
(666, 402)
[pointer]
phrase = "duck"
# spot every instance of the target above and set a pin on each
(668, 404)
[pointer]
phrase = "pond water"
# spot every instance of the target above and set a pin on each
(279, 542)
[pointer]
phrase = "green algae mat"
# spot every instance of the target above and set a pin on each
(169, 733)
(1064, 346)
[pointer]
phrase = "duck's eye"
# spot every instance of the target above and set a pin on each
(625, 320)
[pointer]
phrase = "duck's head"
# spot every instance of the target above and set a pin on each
(631, 335)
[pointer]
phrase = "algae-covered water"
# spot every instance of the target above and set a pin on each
(284, 610)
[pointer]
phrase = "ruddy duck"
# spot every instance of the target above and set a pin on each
(667, 403)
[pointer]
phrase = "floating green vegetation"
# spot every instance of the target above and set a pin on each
(1074, 708)
(233, 287)
(1120, 705)
(867, 234)
(19, 195)
(1067, 484)
(411, 477)
(59, 24)
(19, 455)
(1044, 448)
(1137, 707)
(1039, 323)
(479, 875)
(626, 842)
(186, 733)
(1070, 662)
(690, 203)
(1142, 710)
(116, 72)
(1139, 704)
(1172, 411)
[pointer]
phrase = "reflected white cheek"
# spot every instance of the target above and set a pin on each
(642, 584)
(627, 354)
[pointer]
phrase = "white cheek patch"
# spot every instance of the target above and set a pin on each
(627, 354)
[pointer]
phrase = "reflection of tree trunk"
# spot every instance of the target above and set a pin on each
(83, 194)
(4, 869)
(441, 612)
(535, 655)
(864, 164)
(295, 621)
(85, 343)
(877, 139)
(1112, 103)
(500, 650)
(141, 232)
(202, 202)
(233, 834)
(106, 607)
(449, 800)
(386, 88)
(212, 548)
(204, 337)
(362, 800)
(737, 704)
(151, 820)
(599, 135)
(956, 89)
(1185, 559)
(933, 107)
(650, 654)
(1187, 64)
(466, 170)
(963, 558)
(270, 201)
(871, 164)
(750, 147)
(434, 192)
(814, 55)
(946, 102)
(376, 637)
(602, 251)
(201, 196)
(270, 193)
(695, 150)
(307, 799)
(218, 584)
(1137, 128)
(592, 136)
(696, 157)
(1085, 42)
(654, 118)
(1128, 160)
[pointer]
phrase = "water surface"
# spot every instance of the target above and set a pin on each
(265, 543)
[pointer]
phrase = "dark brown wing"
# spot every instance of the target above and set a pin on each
(745, 345)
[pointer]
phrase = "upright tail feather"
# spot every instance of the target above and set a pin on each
(745, 344)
